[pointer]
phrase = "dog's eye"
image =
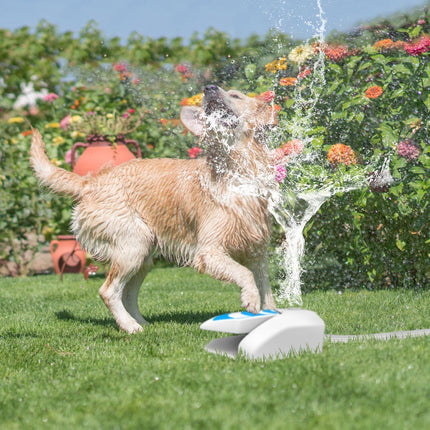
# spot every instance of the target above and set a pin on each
(235, 96)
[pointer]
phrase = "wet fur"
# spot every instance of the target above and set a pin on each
(195, 211)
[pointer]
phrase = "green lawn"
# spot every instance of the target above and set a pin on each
(64, 364)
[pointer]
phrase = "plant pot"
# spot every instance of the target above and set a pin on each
(100, 152)
(67, 255)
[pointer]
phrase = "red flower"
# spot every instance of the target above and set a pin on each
(131, 111)
(120, 67)
(182, 68)
(267, 96)
(304, 73)
(194, 152)
(419, 47)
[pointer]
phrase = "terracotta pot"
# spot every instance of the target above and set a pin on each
(100, 152)
(67, 255)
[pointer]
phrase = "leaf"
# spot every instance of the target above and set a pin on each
(364, 65)
(400, 244)
(388, 136)
(418, 170)
(401, 68)
(427, 102)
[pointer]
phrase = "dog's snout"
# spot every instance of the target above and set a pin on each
(211, 89)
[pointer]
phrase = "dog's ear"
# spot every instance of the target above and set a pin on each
(193, 118)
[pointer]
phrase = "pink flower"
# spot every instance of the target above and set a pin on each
(194, 152)
(64, 123)
(125, 115)
(419, 47)
(408, 149)
(68, 157)
(281, 173)
(50, 97)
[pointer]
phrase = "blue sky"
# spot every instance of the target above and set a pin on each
(171, 18)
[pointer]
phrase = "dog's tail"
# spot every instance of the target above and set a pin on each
(56, 178)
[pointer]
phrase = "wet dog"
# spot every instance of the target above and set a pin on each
(210, 213)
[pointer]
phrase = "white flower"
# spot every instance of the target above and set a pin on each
(29, 96)
(301, 53)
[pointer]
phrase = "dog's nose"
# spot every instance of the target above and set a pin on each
(210, 89)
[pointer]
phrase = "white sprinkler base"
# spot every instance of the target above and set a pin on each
(268, 334)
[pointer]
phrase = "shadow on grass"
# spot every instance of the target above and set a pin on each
(65, 315)
(14, 335)
(181, 317)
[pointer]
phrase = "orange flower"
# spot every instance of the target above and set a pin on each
(163, 121)
(278, 155)
(285, 82)
(267, 96)
(373, 92)
(27, 133)
(293, 147)
(341, 154)
(388, 44)
(336, 52)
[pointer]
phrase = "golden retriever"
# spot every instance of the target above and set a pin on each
(210, 213)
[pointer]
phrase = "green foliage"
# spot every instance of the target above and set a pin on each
(377, 239)
(376, 101)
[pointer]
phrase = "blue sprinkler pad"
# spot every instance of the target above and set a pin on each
(244, 314)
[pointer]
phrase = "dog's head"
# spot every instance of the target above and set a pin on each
(227, 115)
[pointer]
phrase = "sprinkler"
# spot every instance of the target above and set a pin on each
(277, 334)
(268, 334)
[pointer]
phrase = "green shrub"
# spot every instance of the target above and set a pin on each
(364, 238)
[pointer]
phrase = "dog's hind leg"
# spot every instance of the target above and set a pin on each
(260, 268)
(220, 266)
(112, 291)
(131, 292)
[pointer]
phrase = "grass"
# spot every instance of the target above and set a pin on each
(64, 364)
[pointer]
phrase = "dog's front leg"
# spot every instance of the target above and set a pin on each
(221, 266)
(112, 294)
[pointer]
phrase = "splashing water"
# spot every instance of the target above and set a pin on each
(293, 208)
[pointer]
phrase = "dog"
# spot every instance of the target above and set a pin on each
(210, 212)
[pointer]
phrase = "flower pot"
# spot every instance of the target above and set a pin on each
(67, 255)
(100, 152)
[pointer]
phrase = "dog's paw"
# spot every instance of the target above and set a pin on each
(251, 303)
(132, 328)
